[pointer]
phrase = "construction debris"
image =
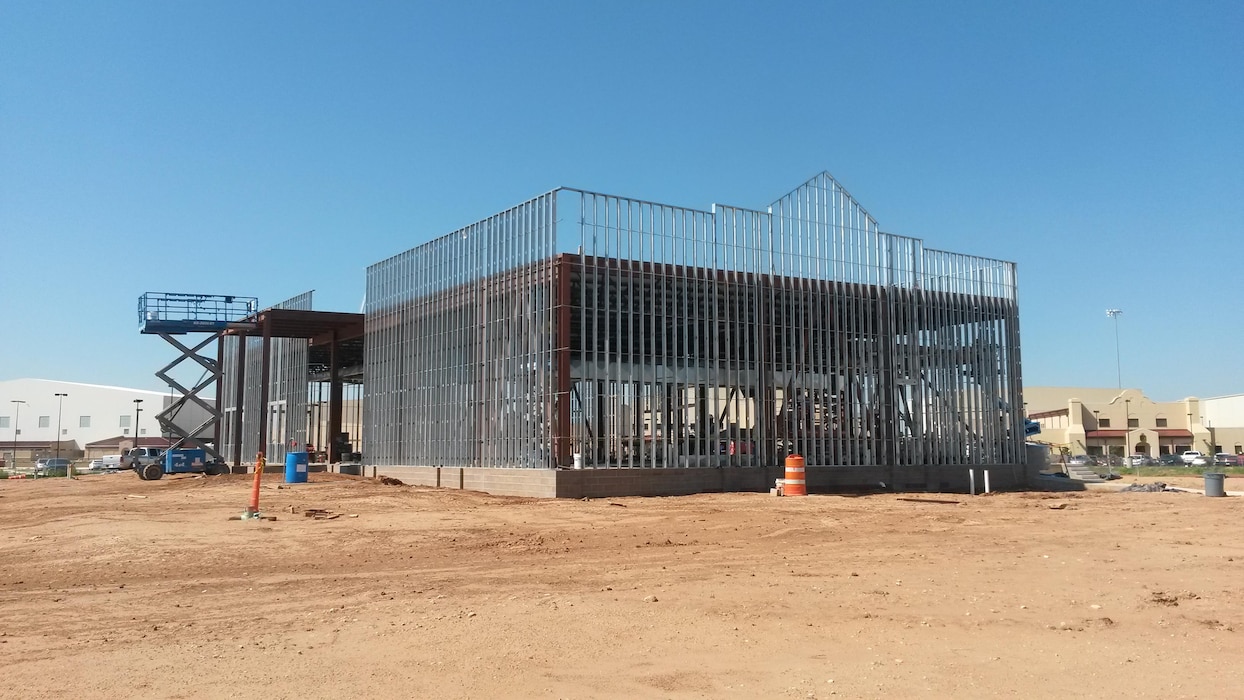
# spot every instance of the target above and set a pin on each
(321, 514)
(945, 501)
(1155, 487)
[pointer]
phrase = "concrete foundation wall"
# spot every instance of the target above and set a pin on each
(601, 483)
(605, 483)
(536, 483)
(1002, 477)
(936, 479)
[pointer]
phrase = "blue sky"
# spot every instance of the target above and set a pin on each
(263, 149)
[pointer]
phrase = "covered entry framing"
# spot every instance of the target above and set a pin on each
(267, 379)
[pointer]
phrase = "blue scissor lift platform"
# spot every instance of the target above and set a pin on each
(169, 314)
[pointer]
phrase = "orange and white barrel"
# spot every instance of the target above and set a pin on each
(794, 483)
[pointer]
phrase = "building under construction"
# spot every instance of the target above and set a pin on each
(582, 344)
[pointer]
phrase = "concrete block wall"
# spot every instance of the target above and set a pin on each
(583, 483)
(535, 483)
(955, 479)
(607, 483)
(930, 478)
(831, 479)
(1038, 460)
(538, 483)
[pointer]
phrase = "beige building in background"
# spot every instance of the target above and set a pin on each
(1084, 420)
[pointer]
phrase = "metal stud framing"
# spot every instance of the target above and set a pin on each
(459, 346)
(284, 419)
(587, 329)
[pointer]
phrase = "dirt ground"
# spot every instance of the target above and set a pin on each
(111, 587)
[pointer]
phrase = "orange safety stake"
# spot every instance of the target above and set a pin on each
(795, 484)
(253, 510)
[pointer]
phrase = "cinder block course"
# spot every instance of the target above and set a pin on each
(610, 483)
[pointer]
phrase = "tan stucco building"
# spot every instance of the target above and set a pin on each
(1084, 420)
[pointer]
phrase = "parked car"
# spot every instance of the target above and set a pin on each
(112, 462)
(1202, 461)
(1226, 459)
(1082, 461)
(1191, 455)
(1171, 460)
(1141, 461)
(51, 465)
(96, 465)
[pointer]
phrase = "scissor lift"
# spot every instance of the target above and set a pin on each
(169, 314)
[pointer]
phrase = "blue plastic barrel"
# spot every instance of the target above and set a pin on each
(295, 467)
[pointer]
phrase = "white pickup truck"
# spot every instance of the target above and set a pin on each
(140, 456)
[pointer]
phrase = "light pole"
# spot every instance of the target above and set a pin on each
(137, 410)
(1127, 434)
(1097, 426)
(1191, 436)
(1114, 313)
(60, 401)
(17, 414)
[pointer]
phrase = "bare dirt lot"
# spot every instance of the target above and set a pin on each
(111, 587)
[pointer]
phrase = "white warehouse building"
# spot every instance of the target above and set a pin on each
(1223, 411)
(41, 416)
